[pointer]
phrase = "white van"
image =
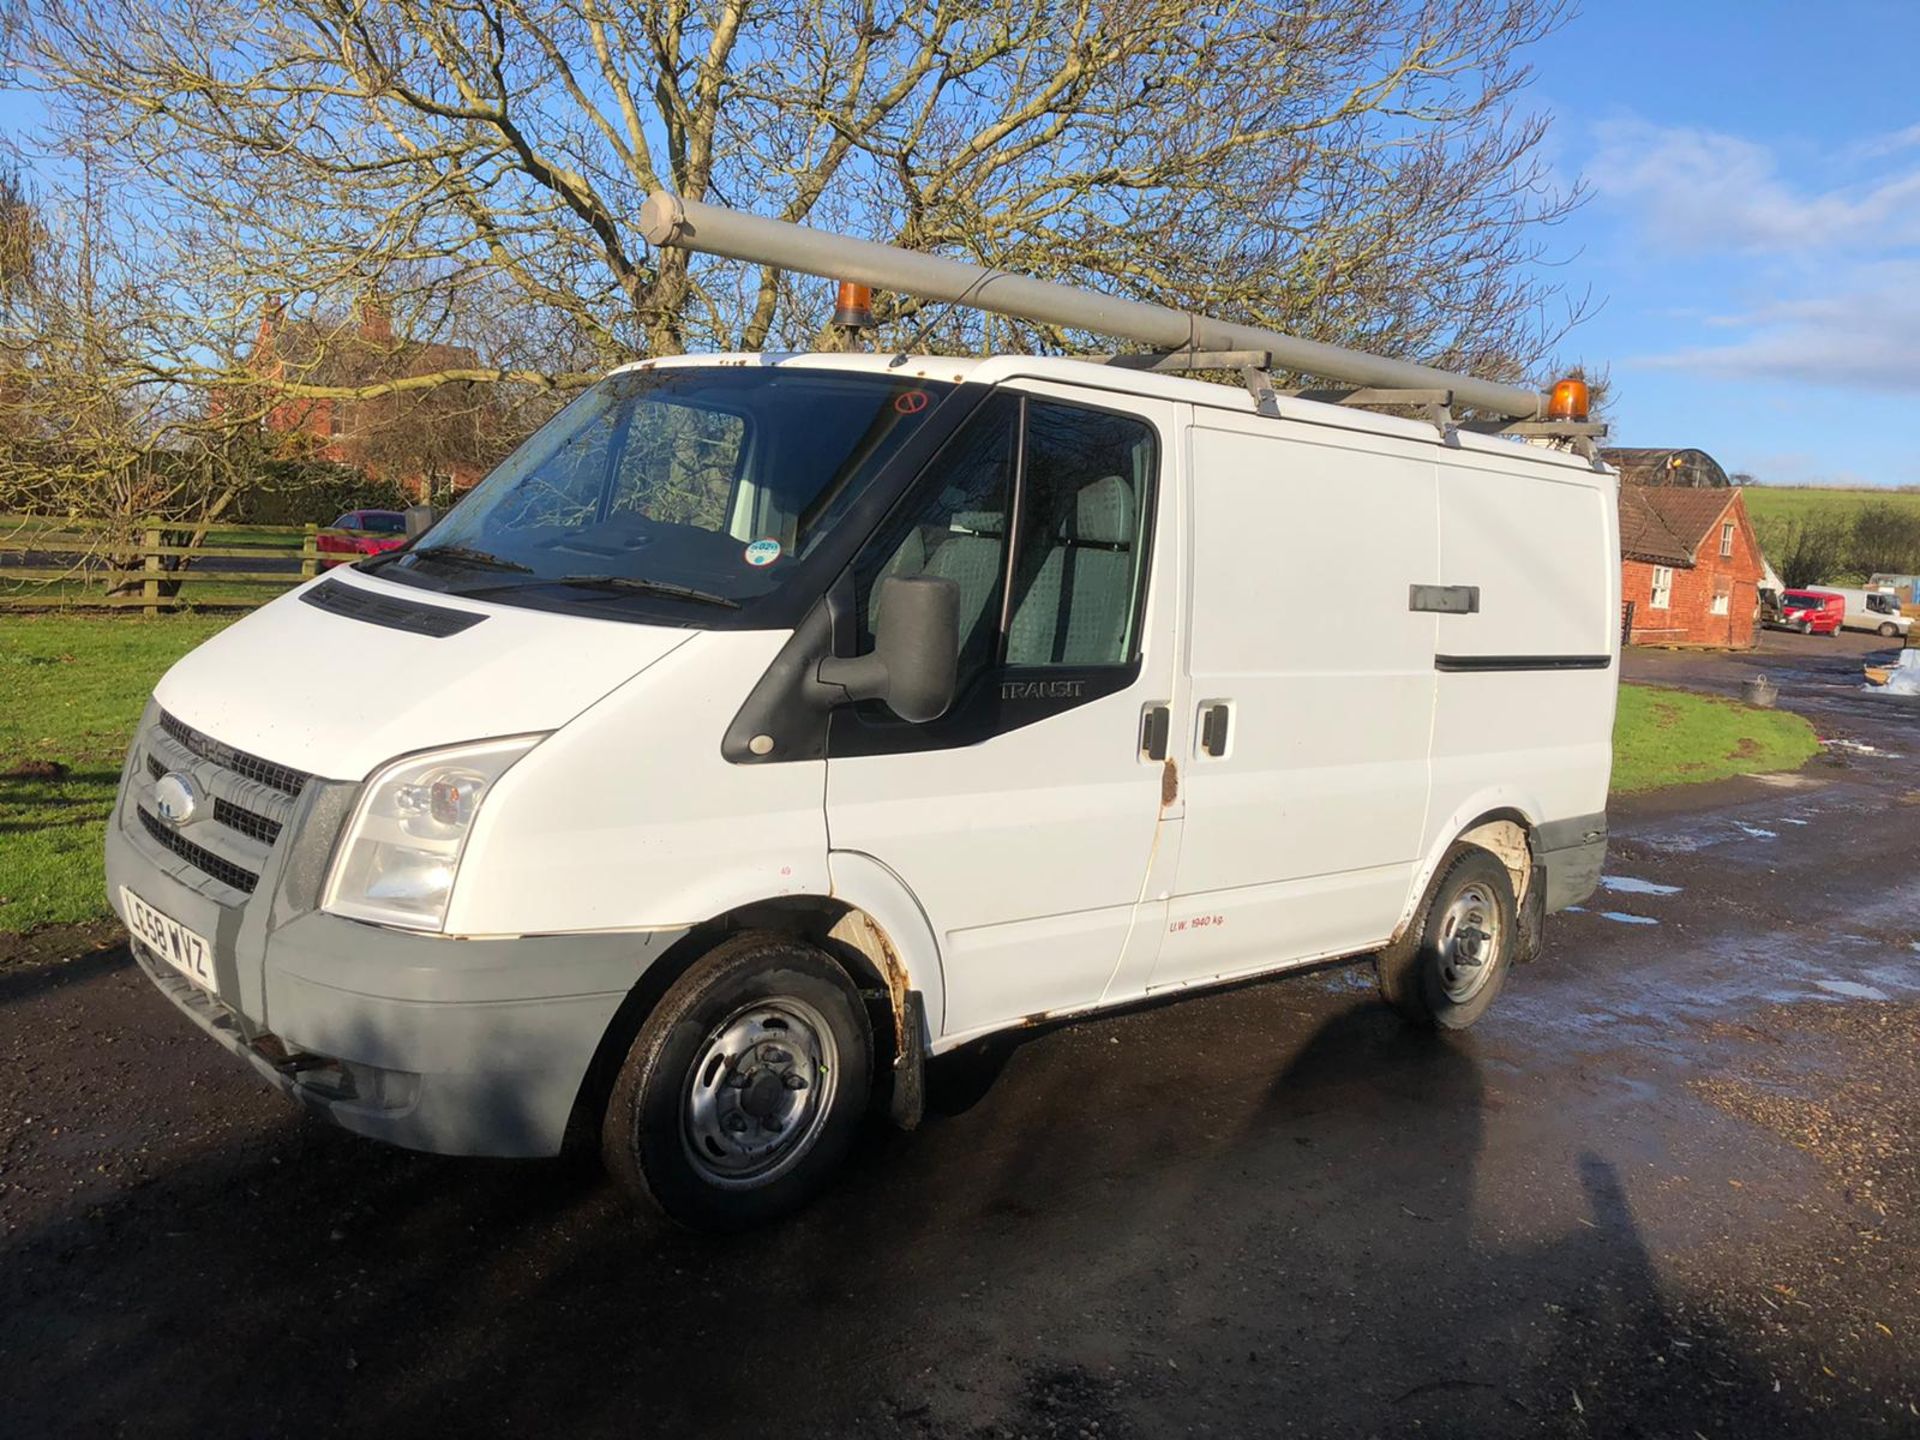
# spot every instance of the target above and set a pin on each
(1872, 609)
(767, 725)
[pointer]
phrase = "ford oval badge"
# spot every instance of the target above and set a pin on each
(176, 798)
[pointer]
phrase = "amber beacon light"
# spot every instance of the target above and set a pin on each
(854, 308)
(1568, 401)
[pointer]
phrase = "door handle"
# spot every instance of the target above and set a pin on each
(1216, 717)
(1156, 726)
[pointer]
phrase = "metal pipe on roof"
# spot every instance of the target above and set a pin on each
(666, 219)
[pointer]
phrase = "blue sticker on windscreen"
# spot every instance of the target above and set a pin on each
(763, 552)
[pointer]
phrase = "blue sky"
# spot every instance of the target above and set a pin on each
(1754, 227)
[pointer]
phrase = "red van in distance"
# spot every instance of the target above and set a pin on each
(1813, 612)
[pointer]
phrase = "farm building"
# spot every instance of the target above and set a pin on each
(1668, 469)
(1690, 568)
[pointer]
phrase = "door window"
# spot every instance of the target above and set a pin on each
(1078, 498)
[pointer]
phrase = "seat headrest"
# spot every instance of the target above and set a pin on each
(1103, 512)
(979, 522)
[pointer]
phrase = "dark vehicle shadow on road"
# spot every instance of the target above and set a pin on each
(1232, 1214)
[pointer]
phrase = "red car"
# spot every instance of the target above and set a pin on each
(372, 532)
(1813, 612)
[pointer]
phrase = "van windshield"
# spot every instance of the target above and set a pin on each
(699, 485)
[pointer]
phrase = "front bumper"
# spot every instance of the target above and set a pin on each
(460, 1047)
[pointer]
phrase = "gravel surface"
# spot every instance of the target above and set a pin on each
(1667, 1188)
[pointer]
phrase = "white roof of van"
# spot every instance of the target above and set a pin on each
(1092, 374)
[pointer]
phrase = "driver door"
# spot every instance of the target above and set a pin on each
(1026, 819)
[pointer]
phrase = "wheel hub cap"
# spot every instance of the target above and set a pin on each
(758, 1091)
(1469, 943)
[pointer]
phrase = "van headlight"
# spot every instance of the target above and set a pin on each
(396, 863)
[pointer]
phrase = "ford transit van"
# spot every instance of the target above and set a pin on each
(766, 725)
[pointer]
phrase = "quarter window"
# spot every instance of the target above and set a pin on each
(1662, 588)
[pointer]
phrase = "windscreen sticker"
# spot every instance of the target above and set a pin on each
(763, 552)
(911, 402)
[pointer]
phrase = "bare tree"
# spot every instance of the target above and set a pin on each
(1808, 550)
(1358, 173)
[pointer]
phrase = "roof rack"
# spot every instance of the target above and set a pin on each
(1179, 340)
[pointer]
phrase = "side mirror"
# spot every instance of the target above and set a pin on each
(916, 652)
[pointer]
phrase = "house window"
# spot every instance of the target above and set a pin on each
(1662, 588)
(1722, 594)
(1726, 539)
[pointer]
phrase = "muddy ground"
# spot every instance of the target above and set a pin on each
(1667, 1188)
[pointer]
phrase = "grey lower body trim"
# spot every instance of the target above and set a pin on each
(459, 1047)
(1572, 854)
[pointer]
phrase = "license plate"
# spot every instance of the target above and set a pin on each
(173, 942)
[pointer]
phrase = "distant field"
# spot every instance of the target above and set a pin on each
(1771, 502)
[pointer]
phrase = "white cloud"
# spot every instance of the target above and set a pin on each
(1692, 190)
(1833, 258)
(1864, 336)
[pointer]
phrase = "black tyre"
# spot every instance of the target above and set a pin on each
(1456, 953)
(744, 1088)
(1806, 627)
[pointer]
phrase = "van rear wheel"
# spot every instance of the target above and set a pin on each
(1455, 955)
(744, 1088)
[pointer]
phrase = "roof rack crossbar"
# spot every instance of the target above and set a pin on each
(667, 219)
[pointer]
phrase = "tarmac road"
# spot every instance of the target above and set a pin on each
(1667, 1188)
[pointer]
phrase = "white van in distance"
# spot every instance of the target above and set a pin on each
(1871, 609)
(767, 725)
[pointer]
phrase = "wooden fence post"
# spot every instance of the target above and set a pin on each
(309, 553)
(150, 587)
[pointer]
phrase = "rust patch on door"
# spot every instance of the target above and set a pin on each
(1169, 784)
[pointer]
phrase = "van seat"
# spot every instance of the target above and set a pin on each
(1075, 611)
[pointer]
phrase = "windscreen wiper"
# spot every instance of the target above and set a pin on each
(467, 555)
(633, 585)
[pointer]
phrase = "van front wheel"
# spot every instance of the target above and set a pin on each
(1451, 963)
(744, 1088)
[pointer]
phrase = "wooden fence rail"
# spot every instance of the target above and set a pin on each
(54, 562)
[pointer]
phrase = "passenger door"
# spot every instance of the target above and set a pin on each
(1024, 820)
(1312, 688)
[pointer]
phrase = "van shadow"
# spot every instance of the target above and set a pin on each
(1233, 1210)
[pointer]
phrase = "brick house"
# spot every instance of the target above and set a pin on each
(433, 441)
(1690, 567)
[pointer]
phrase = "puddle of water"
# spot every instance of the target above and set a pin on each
(1630, 885)
(1626, 919)
(1785, 820)
(1757, 832)
(1851, 990)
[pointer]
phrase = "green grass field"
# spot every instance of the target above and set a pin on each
(1770, 503)
(72, 687)
(71, 691)
(1673, 737)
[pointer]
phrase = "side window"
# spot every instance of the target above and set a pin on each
(960, 533)
(1084, 482)
(1076, 580)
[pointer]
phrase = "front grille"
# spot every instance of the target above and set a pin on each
(278, 777)
(198, 856)
(259, 827)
